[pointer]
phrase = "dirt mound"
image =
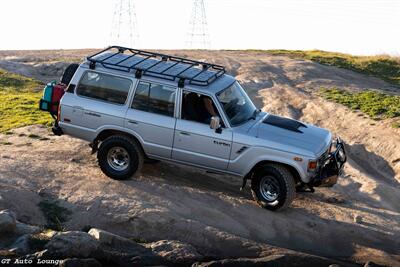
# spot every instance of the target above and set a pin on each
(358, 219)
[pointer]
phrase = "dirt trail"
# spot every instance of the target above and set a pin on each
(358, 219)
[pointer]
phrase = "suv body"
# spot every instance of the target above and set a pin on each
(105, 98)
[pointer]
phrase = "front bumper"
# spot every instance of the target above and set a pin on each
(331, 166)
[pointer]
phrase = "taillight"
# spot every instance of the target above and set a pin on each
(59, 113)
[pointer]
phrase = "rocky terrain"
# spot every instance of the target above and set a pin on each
(356, 221)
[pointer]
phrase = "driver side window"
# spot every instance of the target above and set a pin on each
(198, 108)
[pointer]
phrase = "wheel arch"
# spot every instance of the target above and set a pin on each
(105, 133)
(260, 164)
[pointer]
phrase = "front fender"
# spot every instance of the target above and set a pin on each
(244, 163)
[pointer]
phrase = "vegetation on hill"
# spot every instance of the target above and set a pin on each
(19, 98)
(384, 67)
(377, 105)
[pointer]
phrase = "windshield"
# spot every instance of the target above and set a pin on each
(237, 105)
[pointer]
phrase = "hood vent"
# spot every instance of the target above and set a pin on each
(285, 123)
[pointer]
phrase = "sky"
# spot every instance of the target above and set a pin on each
(361, 27)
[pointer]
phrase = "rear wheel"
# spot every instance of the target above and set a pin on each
(69, 73)
(120, 157)
(273, 187)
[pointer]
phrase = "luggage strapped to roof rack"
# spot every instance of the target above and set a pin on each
(203, 74)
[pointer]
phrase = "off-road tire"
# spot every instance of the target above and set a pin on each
(287, 188)
(69, 73)
(136, 157)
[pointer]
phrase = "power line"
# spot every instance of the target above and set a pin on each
(198, 36)
(124, 30)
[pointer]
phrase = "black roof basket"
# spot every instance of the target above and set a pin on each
(157, 65)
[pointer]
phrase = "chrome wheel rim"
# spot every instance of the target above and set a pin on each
(118, 158)
(269, 188)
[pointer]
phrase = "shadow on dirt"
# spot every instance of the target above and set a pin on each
(372, 163)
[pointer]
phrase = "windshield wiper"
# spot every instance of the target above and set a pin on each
(255, 113)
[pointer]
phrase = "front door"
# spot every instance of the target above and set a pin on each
(194, 141)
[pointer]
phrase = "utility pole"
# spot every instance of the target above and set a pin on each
(198, 36)
(124, 30)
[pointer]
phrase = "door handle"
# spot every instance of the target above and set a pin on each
(185, 133)
(93, 114)
(77, 107)
(133, 122)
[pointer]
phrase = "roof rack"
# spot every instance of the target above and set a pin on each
(157, 65)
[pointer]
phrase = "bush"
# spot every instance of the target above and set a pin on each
(377, 105)
(19, 102)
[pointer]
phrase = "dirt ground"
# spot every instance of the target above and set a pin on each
(358, 219)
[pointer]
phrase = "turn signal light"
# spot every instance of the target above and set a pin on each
(312, 165)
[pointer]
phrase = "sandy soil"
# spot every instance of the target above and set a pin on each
(358, 219)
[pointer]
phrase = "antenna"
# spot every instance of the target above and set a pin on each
(198, 36)
(124, 30)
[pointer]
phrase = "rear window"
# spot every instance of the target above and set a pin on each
(104, 87)
(155, 98)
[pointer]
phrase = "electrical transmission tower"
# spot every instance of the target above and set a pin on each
(124, 30)
(198, 36)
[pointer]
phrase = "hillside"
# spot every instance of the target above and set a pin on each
(355, 221)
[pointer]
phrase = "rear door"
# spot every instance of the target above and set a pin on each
(152, 116)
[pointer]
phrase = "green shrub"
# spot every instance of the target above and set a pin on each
(54, 214)
(377, 105)
(19, 102)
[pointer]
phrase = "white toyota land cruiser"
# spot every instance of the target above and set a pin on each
(132, 105)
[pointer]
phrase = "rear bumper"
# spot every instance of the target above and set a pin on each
(331, 167)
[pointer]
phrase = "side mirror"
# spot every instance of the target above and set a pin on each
(215, 124)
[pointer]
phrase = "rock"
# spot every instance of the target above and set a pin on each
(107, 238)
(357, 218)
(175, 251)
(289, 260)
(21, 245)
(311, 224)
(114, 242)
(121, 251)
(71, 244)
(372, 264)
(80, 263)
(335, 200)
(7, 222)
(22, 229)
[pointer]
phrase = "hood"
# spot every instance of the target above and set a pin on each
(292, 135)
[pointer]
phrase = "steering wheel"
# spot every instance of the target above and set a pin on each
(229, 108)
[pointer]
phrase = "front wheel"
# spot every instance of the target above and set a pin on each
(273, 187)
(120, 157)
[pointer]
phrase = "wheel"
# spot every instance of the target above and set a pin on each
(120, 157)
(69, 73)
(273, 187)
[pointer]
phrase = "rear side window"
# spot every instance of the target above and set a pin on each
(104, 87)
(155, 98)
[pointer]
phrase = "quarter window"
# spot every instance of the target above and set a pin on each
(104, 87)
(155, 98)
